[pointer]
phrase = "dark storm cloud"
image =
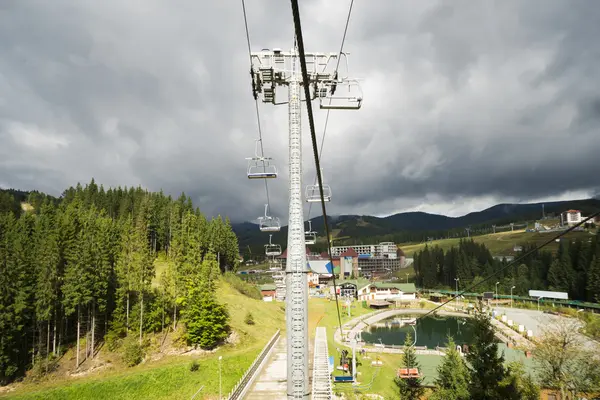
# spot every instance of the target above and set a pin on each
(463, 100)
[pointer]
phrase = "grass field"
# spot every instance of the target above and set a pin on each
(170, 377)
(501, 243)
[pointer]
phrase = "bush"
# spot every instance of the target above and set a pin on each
(194, 366)
(249, 320)
(113, 340)
(133, 352)
(42, 366)
(247, 289)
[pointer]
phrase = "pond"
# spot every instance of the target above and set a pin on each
(431, 331)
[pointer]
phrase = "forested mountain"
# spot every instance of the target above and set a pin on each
(415, 226)
(574, 269)
(84, 264)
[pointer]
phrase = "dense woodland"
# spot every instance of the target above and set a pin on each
(574, 268)
(82, 269)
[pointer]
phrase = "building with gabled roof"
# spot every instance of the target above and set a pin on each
(388, 291)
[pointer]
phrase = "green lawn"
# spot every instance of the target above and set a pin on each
(171, 378)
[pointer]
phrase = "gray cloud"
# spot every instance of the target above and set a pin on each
(465, 104)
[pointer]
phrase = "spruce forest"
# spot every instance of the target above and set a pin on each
(574, 268)
(81, 270)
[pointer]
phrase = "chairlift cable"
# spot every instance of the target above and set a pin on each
(328, 110)
(262, 151)
(311, 123)
(516, 260)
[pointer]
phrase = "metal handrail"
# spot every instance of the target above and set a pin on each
(239, 387)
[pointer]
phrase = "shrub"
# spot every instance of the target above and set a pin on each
(194, 366)
(42, 366)
(249, 320)
(133, 352)
(247, 289)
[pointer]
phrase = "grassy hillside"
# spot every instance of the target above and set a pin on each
(500, 243)
(169, 377)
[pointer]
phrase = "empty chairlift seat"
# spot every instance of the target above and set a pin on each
(271, 249)
(343, 95)
(405, 373)
(260, 167)
(313, 193)
(268, 223)
(310, 237)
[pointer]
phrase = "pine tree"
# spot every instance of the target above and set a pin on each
(47, 256)
(593, 280)
(452, 382)
(518, 385)
(486, 366)
(410, 388)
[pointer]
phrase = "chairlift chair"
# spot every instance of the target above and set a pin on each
(272, 249)
(268, 223)
(343, 95)
(260, 167)
(310, 237)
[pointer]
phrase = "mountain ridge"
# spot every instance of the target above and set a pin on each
(416, 225)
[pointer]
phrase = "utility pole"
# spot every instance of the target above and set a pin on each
(272, 69)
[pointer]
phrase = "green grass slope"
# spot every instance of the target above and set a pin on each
(501, 243)
(170, 377)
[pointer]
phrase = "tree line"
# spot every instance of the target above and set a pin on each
(83, 268)
(574, 268)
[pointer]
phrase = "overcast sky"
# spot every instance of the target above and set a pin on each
(466, 104)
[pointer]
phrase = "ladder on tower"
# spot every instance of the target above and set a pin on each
(279, 280)
(321, 382)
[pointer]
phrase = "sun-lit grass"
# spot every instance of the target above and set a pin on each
(171, 378)
(501, 243)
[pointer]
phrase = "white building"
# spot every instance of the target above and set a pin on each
(570, 217)
(388, 291)
(384, 249)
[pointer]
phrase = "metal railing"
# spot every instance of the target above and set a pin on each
(245, 379)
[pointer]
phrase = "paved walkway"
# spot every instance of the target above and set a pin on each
(271, 382)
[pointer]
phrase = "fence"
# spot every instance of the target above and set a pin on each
(245, 379)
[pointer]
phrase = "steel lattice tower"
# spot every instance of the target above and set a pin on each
(270, 70)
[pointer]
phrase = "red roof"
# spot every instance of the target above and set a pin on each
(349, 253)
(572, 211)
(325, 254)
(400, 253)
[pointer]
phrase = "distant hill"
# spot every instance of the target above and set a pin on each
(411, 226)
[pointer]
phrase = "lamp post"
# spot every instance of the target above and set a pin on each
(456, 280)
(220, 385)
(497, 293)
(511, 297)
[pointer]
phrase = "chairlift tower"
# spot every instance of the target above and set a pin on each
(272, 70)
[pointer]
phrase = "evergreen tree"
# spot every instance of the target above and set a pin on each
(410, 388)
(47, 257)
(593, 280)
(452, 382)
(518, 385)
(486, 366)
